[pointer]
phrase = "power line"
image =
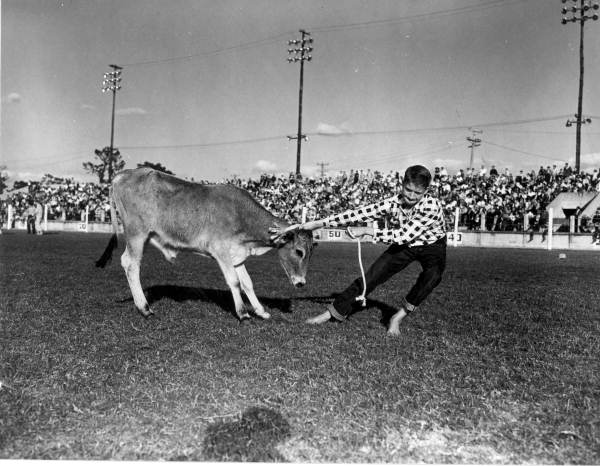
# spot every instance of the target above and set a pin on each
(283, 137)
(437, 150)
(443, 128)
(358, 133)
(208, 144)
(485, 141)
(394, 155)
(523, 131)
(245, 45)
(334, 28)
(417, 17)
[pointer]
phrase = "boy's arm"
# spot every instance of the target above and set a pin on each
(361, 214)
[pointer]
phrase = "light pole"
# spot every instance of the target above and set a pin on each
(584, 7)
(475, 142)
(112, 82)
(322, 165)
(300, 54)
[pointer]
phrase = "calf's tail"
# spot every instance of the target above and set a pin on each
(113, 243)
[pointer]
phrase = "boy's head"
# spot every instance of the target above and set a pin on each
(418, 175)
(416, 181)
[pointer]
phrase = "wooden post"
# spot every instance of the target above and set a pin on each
(10, 217)
(456, 219)
(550, 227)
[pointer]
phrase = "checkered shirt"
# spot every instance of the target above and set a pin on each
(420, 225)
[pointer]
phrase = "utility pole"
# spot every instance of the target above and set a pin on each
(300, 54)
(475, 142)
(112, 82)
(584, 7)
(322, 165)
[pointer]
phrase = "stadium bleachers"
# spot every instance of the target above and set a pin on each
(496, 202)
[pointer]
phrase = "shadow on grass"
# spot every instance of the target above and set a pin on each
(253, 438)
(14, 232)
(221, 298)
(386, 310)
(224, 300)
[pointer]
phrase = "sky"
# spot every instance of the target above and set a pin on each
(207, 90)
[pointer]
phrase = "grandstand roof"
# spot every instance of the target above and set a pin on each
(592, 207)
(572, 201)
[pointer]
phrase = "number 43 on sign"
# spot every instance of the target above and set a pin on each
(454, 237)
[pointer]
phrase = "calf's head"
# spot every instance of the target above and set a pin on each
(295, 249)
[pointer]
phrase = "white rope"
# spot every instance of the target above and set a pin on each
(363, 297)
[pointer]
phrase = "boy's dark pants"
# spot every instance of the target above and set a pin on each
(31, 224)
(432, 258)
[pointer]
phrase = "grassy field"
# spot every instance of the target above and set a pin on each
(499, 366)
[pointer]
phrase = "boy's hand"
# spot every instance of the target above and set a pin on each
(313, 225)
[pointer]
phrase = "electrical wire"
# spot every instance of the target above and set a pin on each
(334, 28)
(282, 137)
(443, 128)
(485, 141)
(211, 53)
(207, 144)
(418, 17)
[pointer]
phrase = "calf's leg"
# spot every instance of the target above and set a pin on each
(246, 283)
(130, 261)
(233, 282)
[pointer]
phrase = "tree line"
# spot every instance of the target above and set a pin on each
(105, 166)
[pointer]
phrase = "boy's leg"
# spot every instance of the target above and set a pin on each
(393, 260)
(433, 260)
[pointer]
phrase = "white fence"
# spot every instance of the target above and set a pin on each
(456, 238)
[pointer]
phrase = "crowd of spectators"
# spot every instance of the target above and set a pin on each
(496, 201)
(66, 199)
(490, 199)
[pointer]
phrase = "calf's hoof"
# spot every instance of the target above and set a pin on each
(263, 314)
(243, 317)
(146, 312)
(393, 332)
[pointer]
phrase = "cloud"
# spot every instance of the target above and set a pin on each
(588, 161)
(26, 176)
(265, 166)
(87, 107)
(13, 98)
(325, 129)
(33, 176)
(448, 163)
(130, 111)
(592, 160)
(311, 171)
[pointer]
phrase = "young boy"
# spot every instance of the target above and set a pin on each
(420, 236)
